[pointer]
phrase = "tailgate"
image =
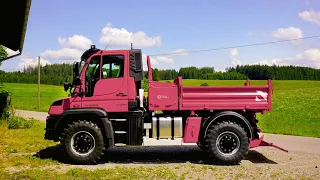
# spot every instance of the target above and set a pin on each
(226, 97)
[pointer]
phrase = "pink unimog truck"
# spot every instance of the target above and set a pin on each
(107, 107)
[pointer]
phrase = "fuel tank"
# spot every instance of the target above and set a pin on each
(167, 127)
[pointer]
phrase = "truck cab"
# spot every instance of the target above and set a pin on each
(108, 80)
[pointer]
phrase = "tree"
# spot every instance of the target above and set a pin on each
(3, 53)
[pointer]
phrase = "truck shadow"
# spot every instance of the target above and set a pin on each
(152, 155)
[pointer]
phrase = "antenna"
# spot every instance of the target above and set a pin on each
(131, 46)
(108, 44)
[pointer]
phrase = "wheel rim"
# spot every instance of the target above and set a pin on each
(82, 143)
(228, 143)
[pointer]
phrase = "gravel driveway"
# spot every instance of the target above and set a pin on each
(189, 162)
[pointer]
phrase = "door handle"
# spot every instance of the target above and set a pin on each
(121, 94)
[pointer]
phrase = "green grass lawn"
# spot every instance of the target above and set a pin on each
(295, 103)
(18, 160)
(295, 112)
(25, 96)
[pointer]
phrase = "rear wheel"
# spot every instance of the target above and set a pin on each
(227, 143)
(82, 142)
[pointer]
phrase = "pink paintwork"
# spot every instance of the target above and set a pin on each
(114, 94)
(163, 96)
(254, 98)
(166, 96)
(106, 91)
(192, 129)
(68, 103)
(261, 142)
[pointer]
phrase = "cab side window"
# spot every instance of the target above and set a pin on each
(112, 66)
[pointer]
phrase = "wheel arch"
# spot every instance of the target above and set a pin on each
(97, 116)
(230, 115)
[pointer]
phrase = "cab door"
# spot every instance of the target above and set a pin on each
(106, 85)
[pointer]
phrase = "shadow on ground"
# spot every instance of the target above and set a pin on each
(152, 155)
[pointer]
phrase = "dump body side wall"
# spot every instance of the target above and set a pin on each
(253, 98)
(175, 96)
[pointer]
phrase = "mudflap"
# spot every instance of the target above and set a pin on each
(261, 142)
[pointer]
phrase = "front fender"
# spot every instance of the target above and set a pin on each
(84, 111)
(102, 120)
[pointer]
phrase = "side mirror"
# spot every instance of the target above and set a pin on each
(76, 78)
(77, 81)
(76, 69)
(66, 86)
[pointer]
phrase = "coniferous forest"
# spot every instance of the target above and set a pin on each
(57, 74)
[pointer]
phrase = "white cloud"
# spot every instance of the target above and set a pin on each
(70, 52)
(156, 60)
(313, 55)
(310, 58)
(276, 61)
(163, 59)
(71, 48)
(122, 37)
(233, 53)
(26, 61)
(288, 33)
(76, 42)
(182, 52)
(144, 60)
(310, 16)
(64, 54)
(220, 70)
(235, 62)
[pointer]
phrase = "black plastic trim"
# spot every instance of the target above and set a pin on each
(108, 130)
(211, 120)
(57, 103)
(52, 126)
(98, 112)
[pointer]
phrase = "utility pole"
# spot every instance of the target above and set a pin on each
(38, 82)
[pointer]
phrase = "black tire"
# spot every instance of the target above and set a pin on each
(86, 135)
(202, 145)
(223, 138)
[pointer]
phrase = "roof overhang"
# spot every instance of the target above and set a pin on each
(15, 14)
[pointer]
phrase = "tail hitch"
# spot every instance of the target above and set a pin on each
(261, 142)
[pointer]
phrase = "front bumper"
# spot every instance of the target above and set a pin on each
(51, 129)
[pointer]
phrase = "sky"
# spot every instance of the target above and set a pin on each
(60, 31)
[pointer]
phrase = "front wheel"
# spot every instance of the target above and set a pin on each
(227, 143)
(202, 145)
(82, 142)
